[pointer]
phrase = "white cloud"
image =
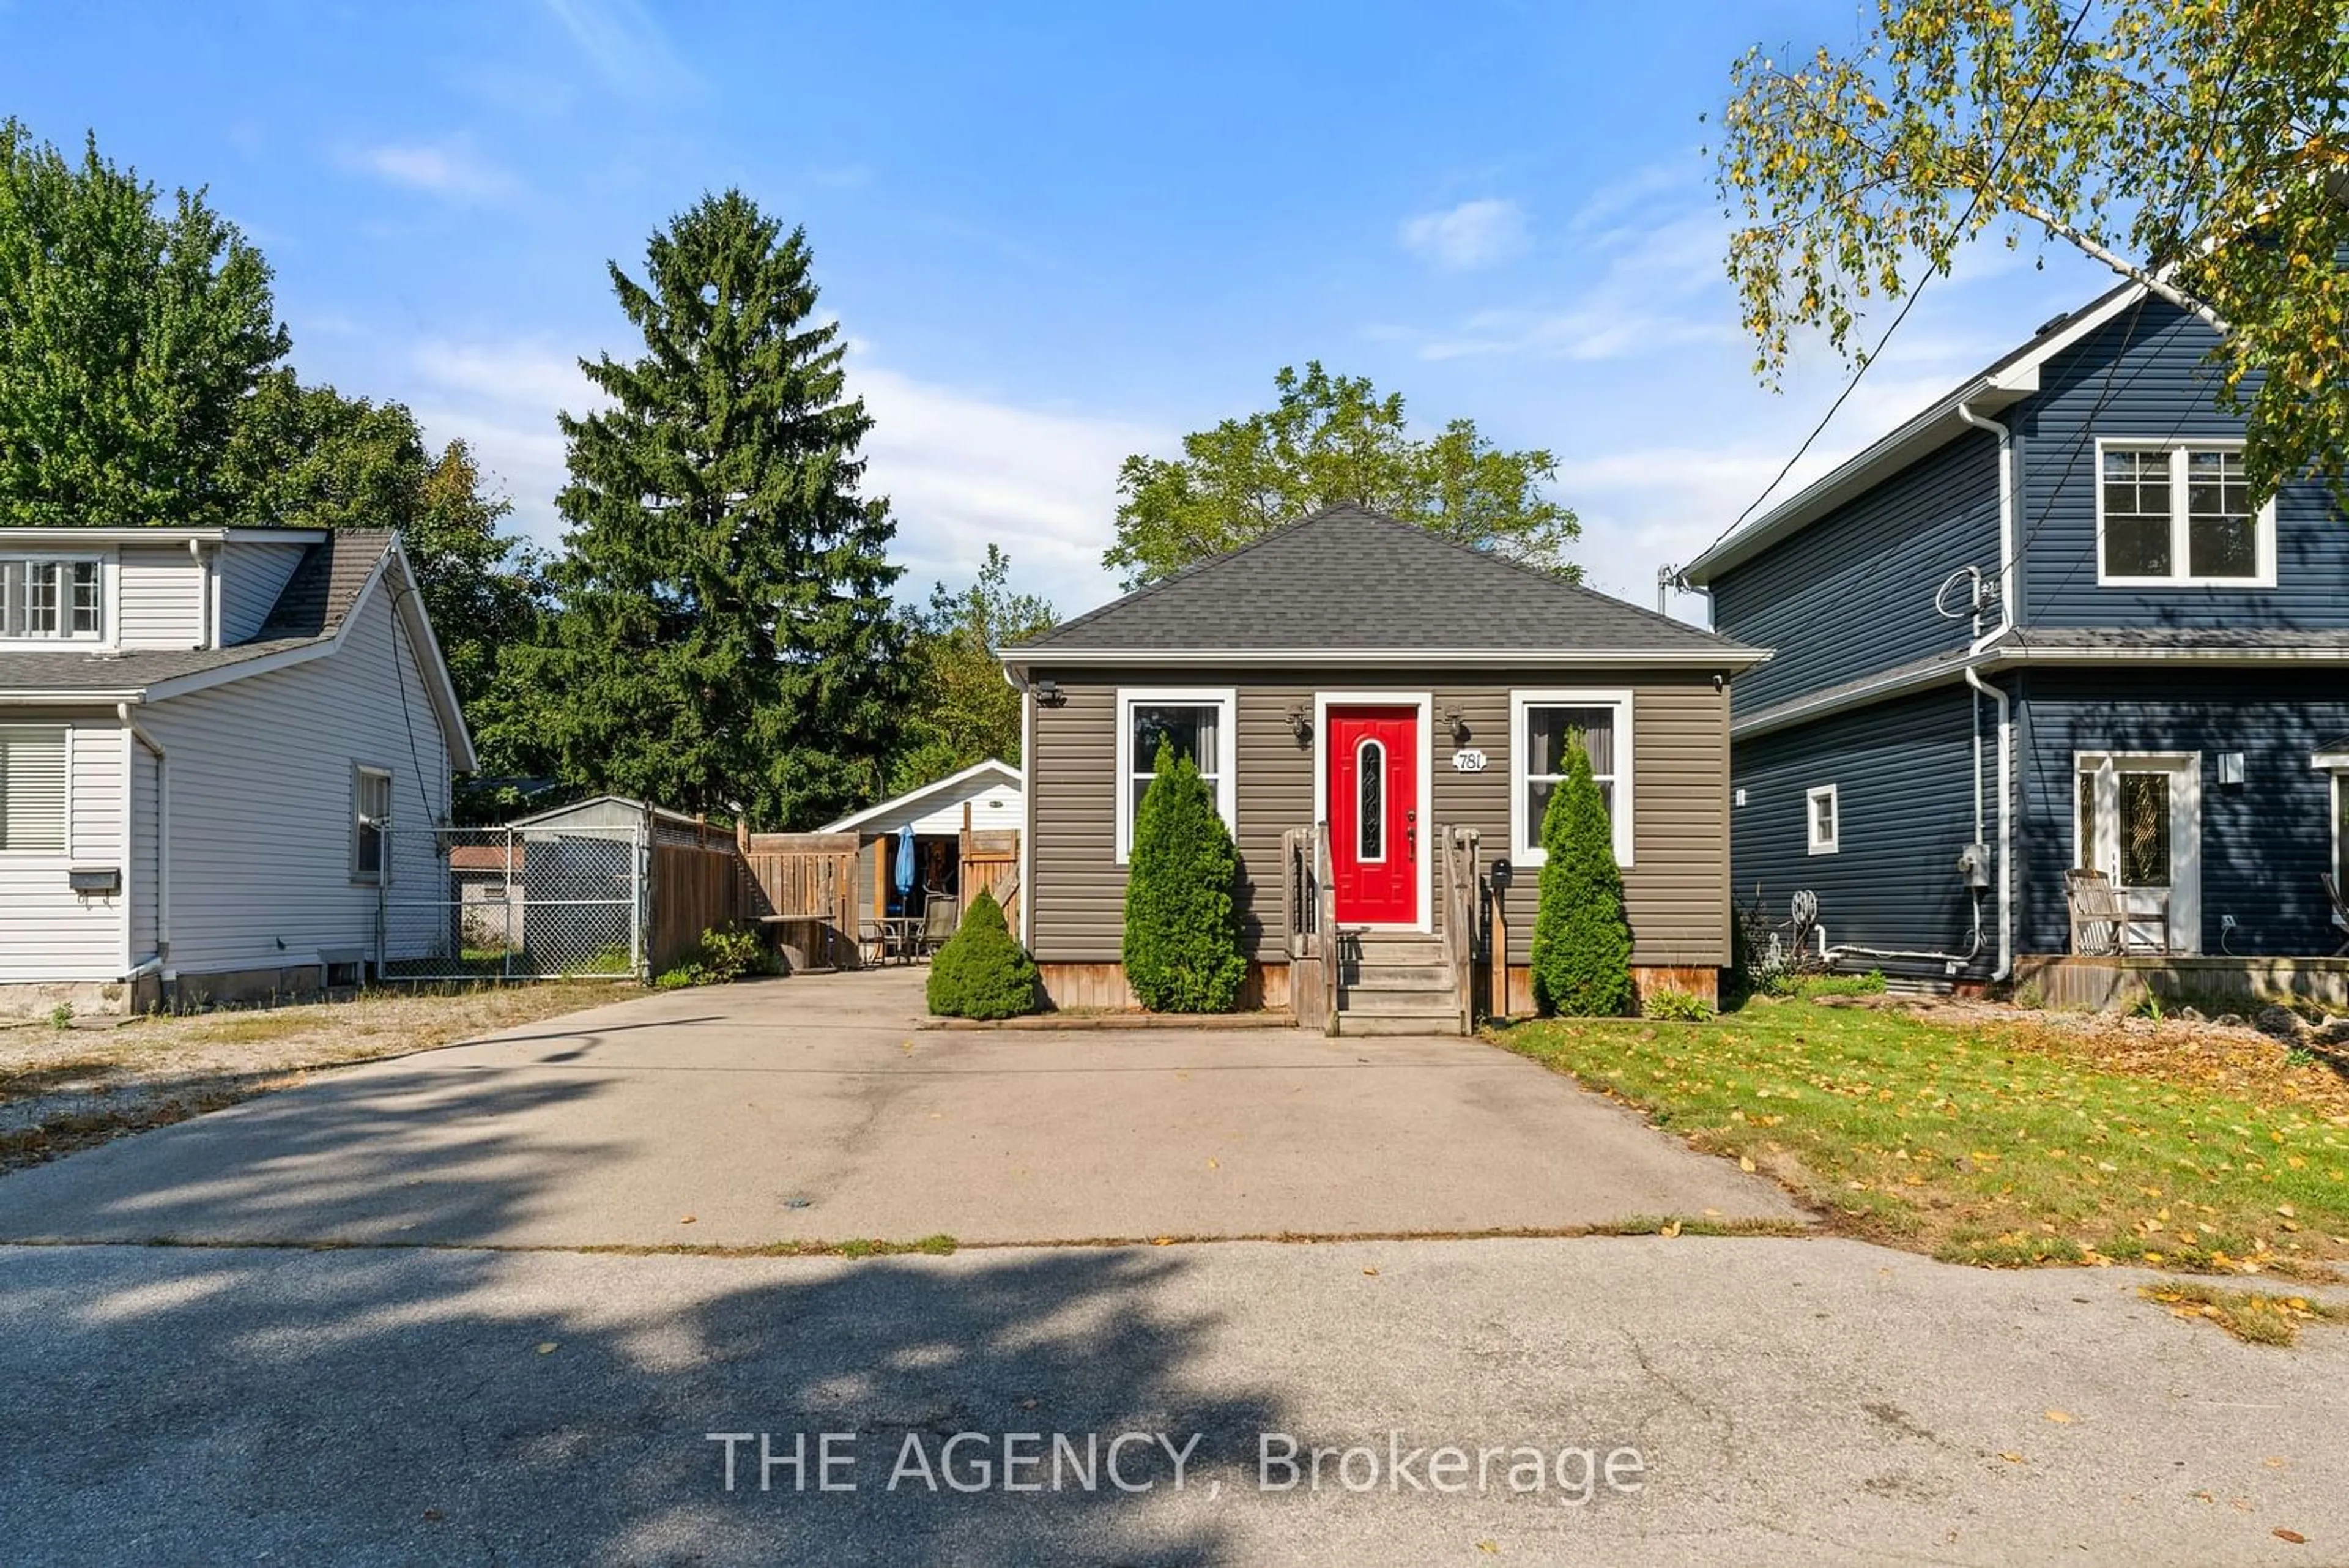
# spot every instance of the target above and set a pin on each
(627, 48)
(1472, 235)
(963, 470)
(449, 168)
(1655, 283)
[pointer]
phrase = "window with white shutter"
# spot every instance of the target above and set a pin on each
(32, 789)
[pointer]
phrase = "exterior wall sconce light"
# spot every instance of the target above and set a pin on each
(2231, 769)
(1453, 718)
(1301, 724)
(1049, 693)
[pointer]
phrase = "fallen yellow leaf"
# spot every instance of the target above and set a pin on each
(546, 1347)
(1744, 1162)
(2061, 1418)
(2009, 1455)
(1671, 1229)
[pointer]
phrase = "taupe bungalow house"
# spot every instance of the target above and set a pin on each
(1363, 681)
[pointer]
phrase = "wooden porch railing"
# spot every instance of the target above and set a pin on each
(1311, 934)
(1462, 875)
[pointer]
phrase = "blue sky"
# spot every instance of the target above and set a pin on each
(1054, 235)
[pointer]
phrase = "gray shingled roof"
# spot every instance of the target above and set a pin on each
(1351, 580)
(2168, 639)
(310, 608)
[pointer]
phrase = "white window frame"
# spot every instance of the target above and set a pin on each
(360, 773)
(1227, 751)
(2181, 551)
(106, 599)
(1832, 842)
(1525, 838)
(2185, 769)
(2335, 765)
(64, 851)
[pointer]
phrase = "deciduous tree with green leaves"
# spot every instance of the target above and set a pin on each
(1583, 940)
(725, 629)
(1330, 438)
(310, 457)
(130, 338)
(962, 709)
(2199, 147)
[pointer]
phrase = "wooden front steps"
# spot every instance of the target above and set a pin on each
(1395, 982)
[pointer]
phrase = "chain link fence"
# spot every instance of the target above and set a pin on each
(523, 903)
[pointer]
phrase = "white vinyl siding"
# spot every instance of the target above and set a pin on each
(261, 806)
(48, 932)
(251, 578)
(160, 600)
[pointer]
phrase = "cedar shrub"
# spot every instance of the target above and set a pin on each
(1182, 945)
(982, 972)
(1582, 941)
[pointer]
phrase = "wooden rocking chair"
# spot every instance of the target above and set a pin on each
(2102, 918)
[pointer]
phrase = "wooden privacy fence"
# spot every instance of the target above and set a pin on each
(804, 886)
(990, 860)
(695, 889)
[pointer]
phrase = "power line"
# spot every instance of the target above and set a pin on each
(1972, 204)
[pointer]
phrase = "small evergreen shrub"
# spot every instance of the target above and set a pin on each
(1673, 1005)
(721, 955)
(982, 972)
(1582, 941)
(1182, 948)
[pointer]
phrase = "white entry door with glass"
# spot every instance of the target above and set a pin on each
(2137, 818)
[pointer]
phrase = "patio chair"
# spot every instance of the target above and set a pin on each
(2340, 911)
(939, 916)
(2102, 920)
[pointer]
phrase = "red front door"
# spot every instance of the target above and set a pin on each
(1373, 757)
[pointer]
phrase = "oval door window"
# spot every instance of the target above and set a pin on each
(1369, 822)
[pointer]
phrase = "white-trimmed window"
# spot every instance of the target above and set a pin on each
(2334, 761)
(370, 825)
(1543, 726)
(33, 784)
(1822, 819)
(2179, 515)
(52, 598)
(1197, 721)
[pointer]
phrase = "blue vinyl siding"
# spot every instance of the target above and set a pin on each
(1852, 594)
(1903, 772)
(2263, 843)
(2149, 370)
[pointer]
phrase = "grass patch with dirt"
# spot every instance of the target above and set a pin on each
(1998, 1144)
(64, 1089)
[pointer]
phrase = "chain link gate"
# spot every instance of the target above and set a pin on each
(522, 904)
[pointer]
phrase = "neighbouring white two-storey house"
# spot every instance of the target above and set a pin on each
(219, 748)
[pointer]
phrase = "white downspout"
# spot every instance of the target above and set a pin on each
(203, 594)
(2006, 569)
(162, 831)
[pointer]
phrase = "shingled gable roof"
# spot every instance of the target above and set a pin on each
(306, 620)
(1347, 583)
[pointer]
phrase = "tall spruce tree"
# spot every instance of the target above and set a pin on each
(725, 631)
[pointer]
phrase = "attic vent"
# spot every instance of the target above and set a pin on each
(2052, 323)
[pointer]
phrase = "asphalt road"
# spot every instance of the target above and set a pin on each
(1788, 1401)
(820, 1108)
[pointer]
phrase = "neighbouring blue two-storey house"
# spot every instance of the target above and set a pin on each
(2039, 626)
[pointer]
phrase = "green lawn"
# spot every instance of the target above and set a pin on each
(1998, 1143)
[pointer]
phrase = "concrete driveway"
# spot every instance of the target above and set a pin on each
(819, 1108)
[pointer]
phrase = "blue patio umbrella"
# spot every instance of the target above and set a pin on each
(905, 860)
